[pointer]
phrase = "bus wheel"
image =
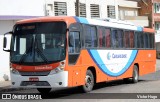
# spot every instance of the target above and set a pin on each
(44, 90)
(135, 75)
(89, 82)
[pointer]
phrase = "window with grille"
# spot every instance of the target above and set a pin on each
(111, 11)
(82, 10)
(60, 8)
(94, 11)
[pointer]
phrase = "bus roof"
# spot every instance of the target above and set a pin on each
(108, 23)
(67, 19)
(73, 19)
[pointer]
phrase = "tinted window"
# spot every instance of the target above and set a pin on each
(142, 40)
(151, 40)
(90, 36)
(120, 38)
(75, 46)
(114, 39)
(126, 39)
(100, 37)
(108, 38)
(146, 40)
(131, 33)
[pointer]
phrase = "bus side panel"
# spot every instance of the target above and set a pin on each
(147, 61)
(128, 73)
(78, 71)
(144, 58)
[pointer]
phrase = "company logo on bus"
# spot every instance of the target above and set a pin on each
(108, 56)
(114, 55)
(43, 67)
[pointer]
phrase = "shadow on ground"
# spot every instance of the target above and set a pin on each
(77, 93)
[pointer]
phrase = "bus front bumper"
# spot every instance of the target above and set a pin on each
(58, 80)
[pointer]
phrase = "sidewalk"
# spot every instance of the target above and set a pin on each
(5, 84)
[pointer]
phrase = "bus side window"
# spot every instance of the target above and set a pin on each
(142, 39)
(120, 38)
(114, 39)
(100, 37)
(94, 36)
(88, 40)
(126, 39)
(152, 41)
(139, 39)
(90, 36)
(108, 38)
(135, 40)
(145, 40)
(74, 42)
(131, 39)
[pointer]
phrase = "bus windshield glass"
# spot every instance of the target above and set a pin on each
(38, 43)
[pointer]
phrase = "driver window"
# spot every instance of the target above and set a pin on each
(74, 42)
(74, 46)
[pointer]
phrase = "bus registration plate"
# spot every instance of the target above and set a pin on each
(33, 79)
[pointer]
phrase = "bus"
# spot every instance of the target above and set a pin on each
(70, 51)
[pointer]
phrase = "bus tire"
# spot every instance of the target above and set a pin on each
(135, 75)
(89, 82)
(44, 90)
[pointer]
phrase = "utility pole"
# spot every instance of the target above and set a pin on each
(78, 8)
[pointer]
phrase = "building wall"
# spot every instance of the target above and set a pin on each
(71, 6)
(10, 8)
(22, 7)
(5, 26)
(147, 10)
(127, 3)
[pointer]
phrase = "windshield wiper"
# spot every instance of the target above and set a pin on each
(40, 52)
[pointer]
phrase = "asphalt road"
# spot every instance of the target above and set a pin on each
(106, 91)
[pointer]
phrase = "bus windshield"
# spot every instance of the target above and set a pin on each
(38, 43)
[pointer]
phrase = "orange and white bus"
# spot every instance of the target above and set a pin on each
(54, 52)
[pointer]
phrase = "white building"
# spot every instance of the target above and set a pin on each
(10, 12)
(118, 9)
(13, 10)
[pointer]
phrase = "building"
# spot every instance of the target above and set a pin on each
(116, 9)
(10, 12)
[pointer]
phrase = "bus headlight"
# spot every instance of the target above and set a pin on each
(59, 68)
(14, 71)
(56, 70)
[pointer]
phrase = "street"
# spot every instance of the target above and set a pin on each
(147, 84)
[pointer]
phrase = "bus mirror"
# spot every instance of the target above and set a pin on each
(6, 41)
(71, 41)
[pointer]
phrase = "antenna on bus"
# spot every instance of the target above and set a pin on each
(116, 21)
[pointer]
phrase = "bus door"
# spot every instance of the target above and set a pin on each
(75, 34)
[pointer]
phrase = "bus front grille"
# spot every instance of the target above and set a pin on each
(44, 73)
(35, 83)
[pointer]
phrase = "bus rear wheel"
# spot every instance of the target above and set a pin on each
(44, 90)
(135, 75)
